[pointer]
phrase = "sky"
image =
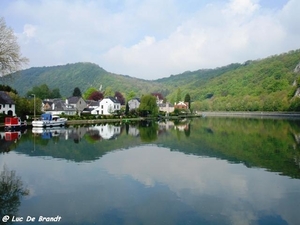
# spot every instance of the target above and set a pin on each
(152, 39)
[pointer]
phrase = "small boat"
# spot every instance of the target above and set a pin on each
(14, 123)
(49, 120)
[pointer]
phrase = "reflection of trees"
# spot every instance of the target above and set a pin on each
(148, 131)
(11, 191)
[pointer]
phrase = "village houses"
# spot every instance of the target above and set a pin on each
(7, 105)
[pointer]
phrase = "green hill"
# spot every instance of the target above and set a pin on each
(82, 75)
(266, 84)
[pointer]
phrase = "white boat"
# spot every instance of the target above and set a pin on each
(48, 120)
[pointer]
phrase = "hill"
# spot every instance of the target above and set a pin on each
(82, 75)
(266, 84)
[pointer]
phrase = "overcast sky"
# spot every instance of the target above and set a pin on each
(152, 39)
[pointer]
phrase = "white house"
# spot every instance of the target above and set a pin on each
(107, 106)
(134, 103)
(7, 105)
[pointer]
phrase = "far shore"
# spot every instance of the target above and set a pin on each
(247, 114)
(232, 114)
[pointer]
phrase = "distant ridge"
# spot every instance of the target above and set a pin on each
(266, 84)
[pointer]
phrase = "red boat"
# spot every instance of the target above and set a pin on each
(14, 123)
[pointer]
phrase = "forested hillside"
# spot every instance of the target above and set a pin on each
(82, 75)
(266, 84)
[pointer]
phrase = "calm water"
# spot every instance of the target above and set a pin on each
(204, 171)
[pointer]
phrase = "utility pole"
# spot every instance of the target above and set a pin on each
(33, 106)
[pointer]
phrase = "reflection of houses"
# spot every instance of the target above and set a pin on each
(76, 134)
(107, 131)
(107, 106)
(134, 103)
(166, 125)
(133, 131)
(7, 105)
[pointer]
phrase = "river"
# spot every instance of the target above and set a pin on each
(198, 171)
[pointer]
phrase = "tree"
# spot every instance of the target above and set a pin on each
(55, 93)
(187, 98)
(11, 192)
(178, 96)
(130, 95)
(148, 105)
(11, 59)
(127, 109)
(77, 92)
(96, 96)
(120, 97)
(88, 92)
(108, 92)
(7, 89)
(44, 92)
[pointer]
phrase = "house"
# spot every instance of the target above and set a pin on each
(91, 105)
(166, 107)
(107, 106)
(7, 105)
(134, 103)
(77, 102)
(59, 106)
(46, 104)
(181, 105)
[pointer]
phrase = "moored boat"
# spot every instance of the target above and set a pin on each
(14, 123)
(49, 120)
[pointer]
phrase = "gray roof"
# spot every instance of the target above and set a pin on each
(113, 100)
(73, 99)
(62, 106)
(5, 98)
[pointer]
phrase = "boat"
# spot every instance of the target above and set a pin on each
(49, 120)
(14, 123)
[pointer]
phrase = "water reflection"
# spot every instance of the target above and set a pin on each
(148, 184)
(204, 171)
(11, 192)
(270, 144)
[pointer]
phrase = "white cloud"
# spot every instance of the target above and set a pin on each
(151, 39)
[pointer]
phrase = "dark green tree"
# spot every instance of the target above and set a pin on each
(77, 92)
(43, 92)
(127, 109)
(55, 93)
(148, 105)
(187, 98)
(7, 89)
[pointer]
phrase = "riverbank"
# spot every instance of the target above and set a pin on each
(261, 115)
(270, 115)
